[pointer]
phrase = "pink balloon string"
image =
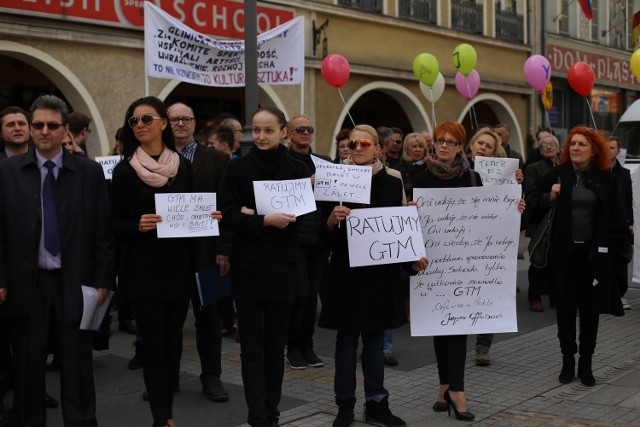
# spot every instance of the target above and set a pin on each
(344, 103)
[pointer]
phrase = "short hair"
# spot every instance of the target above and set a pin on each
(408, 140)
(539, 131)
(455, 129)
(78, 121)
(496, 139)
(343, 134)
(616, 139)
(129, 141)
(12, 109)
(550, 136)
(223, 133)
(229, 121)
(384, 133)
(368, 129)
(398, 130)
(599, 147)
(502, 125)
(51, 102)
(299, 116)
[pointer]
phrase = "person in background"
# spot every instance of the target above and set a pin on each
(116, 149)
(504, 132)
(429, 140)
(393, 153)
(14, 132)
(623, 176)
(221, 138)
(342, 146)
(79, 127)
(414, 153)
(536, 153)
(238, 132)
(389, 151)
(589, 216)
(71, 146)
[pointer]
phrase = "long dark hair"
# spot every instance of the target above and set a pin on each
(129, 141)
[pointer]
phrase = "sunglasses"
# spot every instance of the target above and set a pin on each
(302, 129)
(397, 141)
(53, 126)
(363, 143)
(447, 142)
(147, 120)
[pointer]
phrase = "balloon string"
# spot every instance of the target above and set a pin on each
(433, 108)
(344, 102)
(595, 127)
(546, 113)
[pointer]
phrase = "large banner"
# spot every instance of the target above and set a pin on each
(471, 239)
(175, 51)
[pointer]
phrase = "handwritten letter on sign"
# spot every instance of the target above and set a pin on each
(384, 236)
(186, 214)
(108, 163)
(294, 196)
(343, 183)
(496, 170)
(471, 240)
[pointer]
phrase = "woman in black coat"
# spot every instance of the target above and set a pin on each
(589, 220)
(264, 255)
(363, 301)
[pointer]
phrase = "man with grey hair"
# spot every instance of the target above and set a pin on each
(50, 246)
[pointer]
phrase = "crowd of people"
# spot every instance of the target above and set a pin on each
(280, 265)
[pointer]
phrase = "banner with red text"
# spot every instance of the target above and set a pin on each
(175, 51)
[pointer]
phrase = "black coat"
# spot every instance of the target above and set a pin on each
(610, 226)
(87, 245)
(368, 298)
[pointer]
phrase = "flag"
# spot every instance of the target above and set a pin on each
(586, 8)
(636, 30)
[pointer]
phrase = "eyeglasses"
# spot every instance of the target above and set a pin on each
(548, 145)
(397, 141)
(147, 120)
(363, 143)
(302, 129)
(53, 126)
(446, 142)
(176, 120)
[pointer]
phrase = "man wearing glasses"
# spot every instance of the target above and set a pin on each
(209, 166)
(52, 244)
(313, 259)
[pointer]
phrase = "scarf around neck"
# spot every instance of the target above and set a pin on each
(377, 164)
(458, 167)
(155, 173)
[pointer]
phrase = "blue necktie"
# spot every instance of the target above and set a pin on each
(50, 212)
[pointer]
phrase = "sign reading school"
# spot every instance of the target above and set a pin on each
(175, 51)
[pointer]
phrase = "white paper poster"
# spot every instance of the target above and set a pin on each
(471, 239)
(343, 183)
(186, 215)
(108, 163)
(496, 170)
(293, 196)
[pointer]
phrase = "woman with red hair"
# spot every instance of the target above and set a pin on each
(589, 219)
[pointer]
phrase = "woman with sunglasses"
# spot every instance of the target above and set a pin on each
(363, 302)
(264, 253)
(156, 275)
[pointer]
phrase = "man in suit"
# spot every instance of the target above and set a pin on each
(54, 238)
(209, 166)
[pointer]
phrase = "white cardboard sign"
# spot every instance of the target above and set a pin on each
(496, 170)
(293, 196)
(186, 215)
(343, 183)
(108, 163)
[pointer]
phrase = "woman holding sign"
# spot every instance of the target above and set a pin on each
(588, 222)
(156, 275)
(363, 301)
(264, 255)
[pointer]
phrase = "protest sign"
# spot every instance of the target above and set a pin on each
(343, 183)
(294, 196)
(496, 170)
(175, 51)
(108, 163)
(384, 236)
(186, 214)
(471, 239)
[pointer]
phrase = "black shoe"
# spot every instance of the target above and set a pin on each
(50, 401)
(213, 389)
(440, 406)
(145, 394)
(568, 369)
(136, 360)
(295, 359)
(584, 371)
(346, 414)
(461, 416)
(379, 412)
(127, 326)
(389, 360)
(312, 358)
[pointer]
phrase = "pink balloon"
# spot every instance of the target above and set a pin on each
(537, 71)
(335, 70)
(468, 85)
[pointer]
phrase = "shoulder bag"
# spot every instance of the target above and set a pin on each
(540, 241)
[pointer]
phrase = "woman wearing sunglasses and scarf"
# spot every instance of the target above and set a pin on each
(156, 275)
(363, 301)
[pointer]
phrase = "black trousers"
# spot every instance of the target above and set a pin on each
(451, 353)
(538, 283)
(160, 327)
(264, 333)
(208, 339)
(311, 272)
(29, 336)
(6, 361)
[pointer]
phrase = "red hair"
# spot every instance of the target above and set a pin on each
(599, 147)
(455, 129)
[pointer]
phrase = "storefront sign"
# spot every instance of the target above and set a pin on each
(223, 18)
(607, 69)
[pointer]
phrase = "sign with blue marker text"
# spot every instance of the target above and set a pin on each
(293, 196)
(343, 183)
(186, 215)
(496, 170)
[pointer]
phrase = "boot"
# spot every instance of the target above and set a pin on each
(379, 412)
(345, 411)
(584, 370)
(568, 369)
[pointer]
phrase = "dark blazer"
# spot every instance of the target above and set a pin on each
(87, 245)
(531, 216)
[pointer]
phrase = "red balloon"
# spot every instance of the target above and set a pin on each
(335, 70)
(581, 78)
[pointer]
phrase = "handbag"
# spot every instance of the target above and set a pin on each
(540, 241)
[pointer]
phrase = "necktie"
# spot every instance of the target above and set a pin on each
(50, 212)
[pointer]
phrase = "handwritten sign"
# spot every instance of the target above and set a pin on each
(384, 236)
(186, 215)
(343, 183)
(294, 196)
(471, 240)
(108, 163)
(496, 170)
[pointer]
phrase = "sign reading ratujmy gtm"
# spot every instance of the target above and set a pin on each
(293, 196)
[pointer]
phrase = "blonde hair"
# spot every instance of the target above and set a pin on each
(410, 139)
(498, 150)
(367, 129)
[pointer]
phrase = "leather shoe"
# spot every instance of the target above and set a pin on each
(213, 389)
(50, 401)
(536, 306)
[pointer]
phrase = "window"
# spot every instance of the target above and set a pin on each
(419, 10)
(595, 37)
(509, 25)
(374, 6)
(467, 16)
(563, 20)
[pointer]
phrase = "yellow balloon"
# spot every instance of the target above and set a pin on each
(635, 63)
(464, 58)
(426, 68)
(547, 96)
